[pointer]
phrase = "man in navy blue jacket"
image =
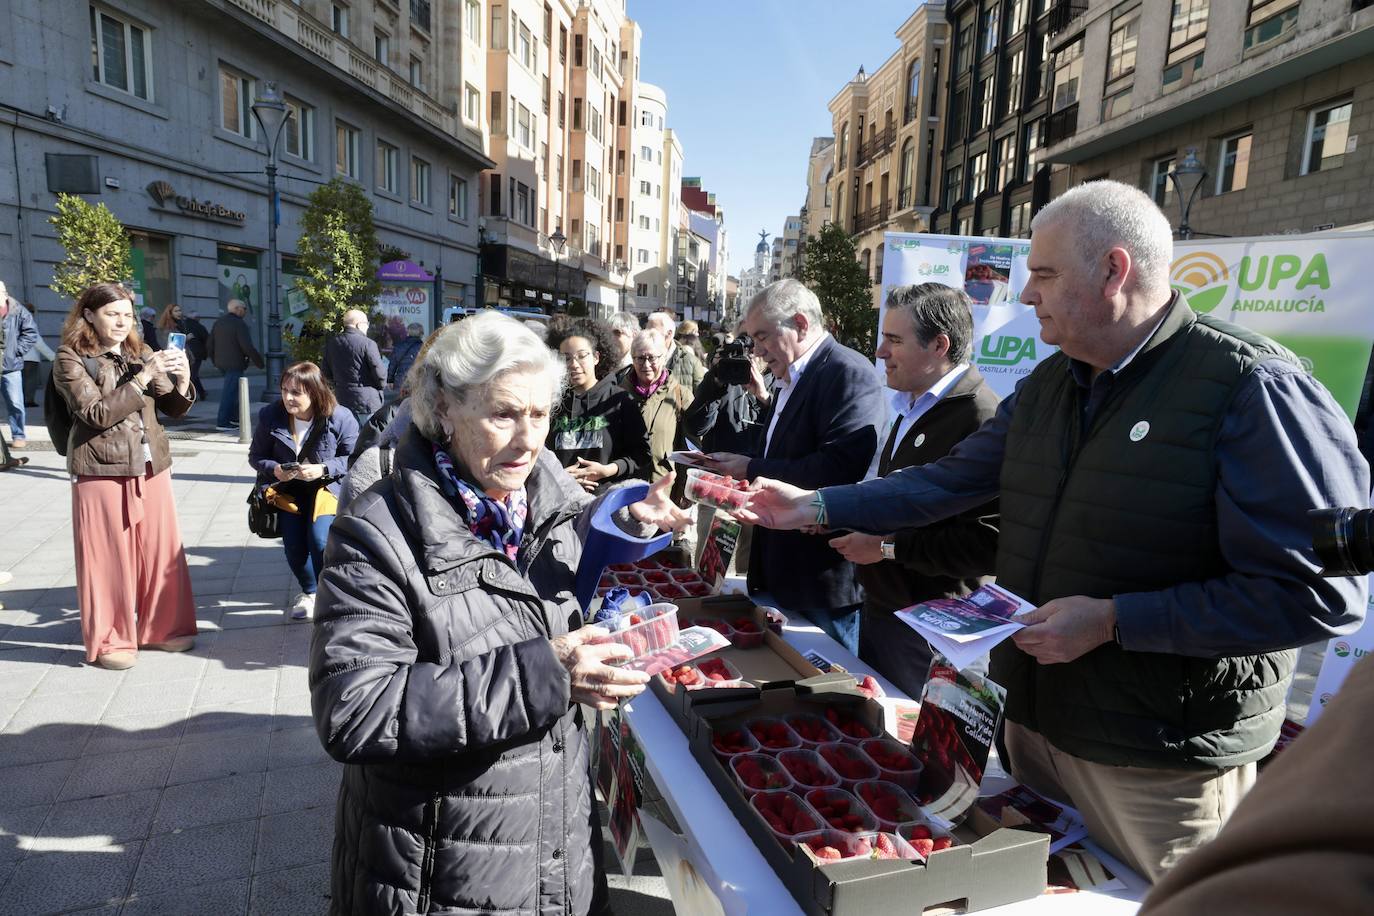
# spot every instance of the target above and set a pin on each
(819, 429)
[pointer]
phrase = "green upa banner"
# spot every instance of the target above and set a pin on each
(1305, 291)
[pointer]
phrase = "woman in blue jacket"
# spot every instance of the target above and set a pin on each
(300, 450)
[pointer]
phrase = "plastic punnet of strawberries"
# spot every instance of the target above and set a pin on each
(847, 760)
(812, 730)
(759, 772)
(923, 839)
(734, 741)
(851, 727)
(841, 810)
(786, 814)
(807, 769)
(773, 734)
(888, 802)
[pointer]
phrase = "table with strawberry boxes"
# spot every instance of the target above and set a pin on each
(840, 800)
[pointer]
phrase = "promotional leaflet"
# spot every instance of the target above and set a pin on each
(953, 736)
(1023, 808)
(965, 629)
(691, 642)
(719, 550)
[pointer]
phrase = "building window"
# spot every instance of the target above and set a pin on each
(121, 56)
(387, 179)
(524, 46)
(1233, 170)
(1121, 45)
(419, 181)
(498, 27)
(524, 126)
(646, 154)
(473, 22)
(1018, 17)
(381, 47)
(1161, 188)
(560, 171)
(913, 92)
(457, 197)
(990, 23)
(983, 115)
(954, 179)
(417, 73)
(593, 122)
(472, 103)
(1032, 149)
(1269, 23)
(593, 181)
(643, 256)
(300, 130)
(1019, 220)
(577, 113)
(347, 143)
(235, 102)
(524, 204)
(842, 147)
(643, 222)
(1005, 162)
(339, 19)
(577, 50)
(965, 226)
(1328, 131)
(645, 188)
(496, 112)
(963, 48)
(1015, 70)
(906, 174)
(977, 176)
(1187, 41)
(1068, 73)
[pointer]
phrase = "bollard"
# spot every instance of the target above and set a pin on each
(245, 422)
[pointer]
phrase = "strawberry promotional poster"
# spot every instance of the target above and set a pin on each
(953, 736)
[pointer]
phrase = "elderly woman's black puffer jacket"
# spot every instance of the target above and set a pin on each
(431, 676)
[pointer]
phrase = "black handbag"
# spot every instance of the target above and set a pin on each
(262, 515)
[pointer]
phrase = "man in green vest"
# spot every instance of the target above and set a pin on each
(1154, 477)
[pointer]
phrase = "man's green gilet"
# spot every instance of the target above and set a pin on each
(1119, 508)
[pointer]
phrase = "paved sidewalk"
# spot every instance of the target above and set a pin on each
(191, 783)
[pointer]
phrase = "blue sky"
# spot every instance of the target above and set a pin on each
(748, 82)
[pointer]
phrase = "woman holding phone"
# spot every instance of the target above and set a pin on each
(193, 337)
(300, 450)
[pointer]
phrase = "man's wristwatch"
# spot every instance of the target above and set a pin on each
(889, 549)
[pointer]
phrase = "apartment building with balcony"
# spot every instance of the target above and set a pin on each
(887, 150)
(145, 106)
(1271, 96)
(816, 212)
(555, 85)
(653, 154)
(706, 221)
(999, 106)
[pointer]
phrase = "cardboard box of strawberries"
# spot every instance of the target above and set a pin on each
(796, 764)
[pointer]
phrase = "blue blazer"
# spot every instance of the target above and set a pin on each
(273, 445)
(826, 436)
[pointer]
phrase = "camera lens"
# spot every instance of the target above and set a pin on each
(1344, 540)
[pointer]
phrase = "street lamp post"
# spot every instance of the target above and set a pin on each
(557, 240)
(624, 270)
(269, 110)
(1187, 178)
(479, 280)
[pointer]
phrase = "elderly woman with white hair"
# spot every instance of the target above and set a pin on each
(449, 662)
(661, 399)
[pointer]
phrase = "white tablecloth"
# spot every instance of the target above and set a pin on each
(723, 852)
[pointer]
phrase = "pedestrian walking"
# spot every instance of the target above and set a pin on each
(353, 365)
(33, 364)
(132, 583)
(174, 318)
(18, 334)
(300, 450)
(403, 354)
(231, 350)
(147, 316)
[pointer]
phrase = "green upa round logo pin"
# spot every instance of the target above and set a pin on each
(1140, 430)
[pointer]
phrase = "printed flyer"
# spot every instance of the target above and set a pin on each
(952, 738)
(1021, 807)
(965, 629)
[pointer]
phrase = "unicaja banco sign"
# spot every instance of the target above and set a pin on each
(1262, 283)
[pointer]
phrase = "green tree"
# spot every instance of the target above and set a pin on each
(96, 243)
(337, 256)
(837, 278)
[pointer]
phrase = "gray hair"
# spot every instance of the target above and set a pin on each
(649, 335)
(1103, 215)
(354, 317)
(624, 321)
(664, 322)
(937, 309)
(465, 358)
(782, 300)
(415, 329)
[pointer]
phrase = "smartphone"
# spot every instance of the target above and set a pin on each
(176, 341)
(290, 465)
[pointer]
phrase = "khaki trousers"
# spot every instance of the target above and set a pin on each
(1147, 818)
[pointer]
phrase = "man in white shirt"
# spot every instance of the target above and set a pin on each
(938, 399)
(820, 425)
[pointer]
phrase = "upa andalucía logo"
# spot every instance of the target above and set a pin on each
(1201, 278)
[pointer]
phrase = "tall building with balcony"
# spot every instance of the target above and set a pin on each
(651, 151)
(815, 213)
(791, 247)
(887, 139)
(554, 88)
(146, 106)
(706, 220)
(1270, 96)
(999, 113)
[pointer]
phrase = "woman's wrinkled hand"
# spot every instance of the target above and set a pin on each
(594, 682)
(657, 507)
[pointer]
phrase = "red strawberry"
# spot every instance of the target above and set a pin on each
(923, 847)
(920, 832)
(941, 842)
(884, 848)
(829, 853)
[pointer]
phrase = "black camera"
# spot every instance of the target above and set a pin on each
(1344, 540)
(732, 365)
